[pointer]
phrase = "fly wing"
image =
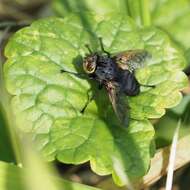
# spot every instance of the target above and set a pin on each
(119, 103)
(131, 59)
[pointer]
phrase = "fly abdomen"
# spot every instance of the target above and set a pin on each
(130, 85)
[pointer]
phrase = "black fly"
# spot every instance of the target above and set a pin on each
(116, 74)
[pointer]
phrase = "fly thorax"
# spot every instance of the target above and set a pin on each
(106, 69)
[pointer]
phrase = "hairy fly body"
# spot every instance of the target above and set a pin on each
(116, 74)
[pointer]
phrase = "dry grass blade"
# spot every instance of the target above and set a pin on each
(172, 158)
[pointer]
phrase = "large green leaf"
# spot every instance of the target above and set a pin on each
(47, 103)
(171, 15)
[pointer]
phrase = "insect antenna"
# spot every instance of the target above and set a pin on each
(102, 47)
(88, 47)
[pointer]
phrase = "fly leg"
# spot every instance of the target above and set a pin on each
(90, 98)
(150, 86)
(100, 86)
(102, 47)
(80, 75)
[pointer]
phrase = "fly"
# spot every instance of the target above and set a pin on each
(116, 72)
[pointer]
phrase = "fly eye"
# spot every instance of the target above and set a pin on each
(89, 67)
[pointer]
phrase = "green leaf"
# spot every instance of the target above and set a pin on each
(63, 7)
(47, 103)
(170, 120)
(187, 55)
(173, 16)
(181, 108)
(129, 7)
(13, 177)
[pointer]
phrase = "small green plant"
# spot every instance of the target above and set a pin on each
(47, 103)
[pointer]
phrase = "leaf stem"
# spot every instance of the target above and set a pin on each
(134, 10)
(4, 101)
(15, 143)
(127, 7)
(145, 12)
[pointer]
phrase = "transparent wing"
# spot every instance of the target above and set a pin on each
(131, 59)
(119, 103)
